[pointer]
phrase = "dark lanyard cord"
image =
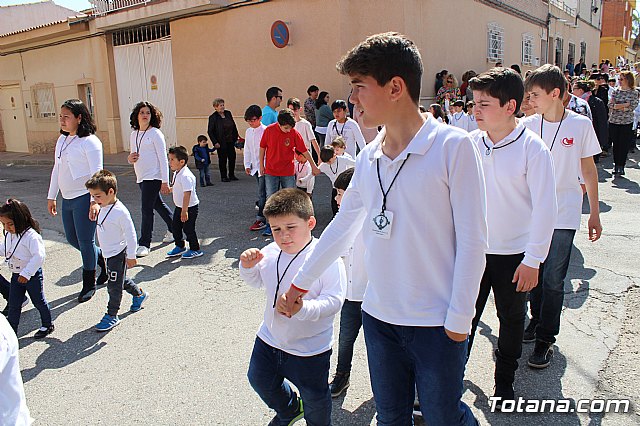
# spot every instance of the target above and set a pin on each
(488, 151)
(275, 297)
(335, 126)
(64, 147)
(384, 194)
(7, 258)
(105, 216)
(141, 138)
(335, 172)
(557, 130)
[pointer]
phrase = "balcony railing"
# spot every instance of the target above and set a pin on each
(102, 7)
(560, 4)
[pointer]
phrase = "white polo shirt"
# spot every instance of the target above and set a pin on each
(351, 133)
(521, 196)
(339, 165)
(24, 253)
(252, 148)
(306, 131)
(13, 405)
(183, 180)
(427, 273)
(116, 231)
(75, 161)
(575, 140)
(152, 148)
(460, 120)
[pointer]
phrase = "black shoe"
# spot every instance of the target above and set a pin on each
(299, 414)
(530, 333)
(339, 384)
(209, 184)
(88, 286)
(542, 354)
(224, 179)
(103, 277)
(621, 171)
(233, 178)
(504, 391)
(44, 332)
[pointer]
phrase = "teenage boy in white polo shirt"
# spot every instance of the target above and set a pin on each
(521, 213)
(346, 127)
(424, 270)
(573, 143)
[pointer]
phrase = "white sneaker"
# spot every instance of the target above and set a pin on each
(142, 251)
(168, 237)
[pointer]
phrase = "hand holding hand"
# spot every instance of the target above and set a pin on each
(315, 170)
(250, 258)
(22, 280)
(526, 278)
(164, 188)
(281, 306)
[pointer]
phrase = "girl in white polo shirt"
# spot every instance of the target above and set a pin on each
(149, 158)
(78, 155)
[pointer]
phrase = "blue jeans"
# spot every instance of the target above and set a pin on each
(80, 230)
(400, 356)
(205, 176)
(16, 297)
(547, 297)
(151, 200)
(268, 369)
(350, 323)
(262, 197)
(274, 183)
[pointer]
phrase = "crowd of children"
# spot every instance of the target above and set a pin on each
(503, 192)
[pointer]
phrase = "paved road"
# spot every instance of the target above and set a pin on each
(183, 358)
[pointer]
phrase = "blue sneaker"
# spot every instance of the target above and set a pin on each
(107, 322)
(136, 305)
(176, 251)
(267, 231)
(190, 254)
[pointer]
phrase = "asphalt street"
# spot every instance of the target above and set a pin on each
(182, 360)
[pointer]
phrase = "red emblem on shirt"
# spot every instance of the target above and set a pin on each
(568, 142)
(287, 142)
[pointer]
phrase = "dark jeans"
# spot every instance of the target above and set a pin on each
(350, 324)
(227, 154)
(621, 136)
(274, 183)
(511, 307)
(547, 297)
(152, 200)
(118, 281)
(16, 293)
(262, 197)
(189, 228)
(205, 176)
(268, 369)
(79, 230)
(400, 356)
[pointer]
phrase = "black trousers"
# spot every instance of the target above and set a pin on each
(227, 154)
(621, 135)
(511, 307)
(118, 281)
(334, 203)
(189, 228)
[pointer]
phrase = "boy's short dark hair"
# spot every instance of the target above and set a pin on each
(339, 142)
(459, 103)
(180, 152)
(338, 104)
(312, 88)
(294, 102)
(103, 180)
(344, 179)
(470, 104)
(254, 111)
(503, 84)
(286, 117)
(384, 56)
(272, 92)
(547, 77)
(289, 201)
(202, 138)
(326, 153)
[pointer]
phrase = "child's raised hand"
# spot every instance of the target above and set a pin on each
(250, 258)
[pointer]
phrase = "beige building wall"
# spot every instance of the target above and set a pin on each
(65, 66)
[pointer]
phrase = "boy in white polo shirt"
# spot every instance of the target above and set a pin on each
(296, 347)
(252, 138)
(521, 213)
(424, 271)
(332, 165)
(573, 143)
(183, 187)
(117, 238)
(304, 127)
(346, 127)
(459, 118)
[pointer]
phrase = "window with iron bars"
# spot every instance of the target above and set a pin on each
(141, 34)
(44, 105)
(495, 43)
(527, 49)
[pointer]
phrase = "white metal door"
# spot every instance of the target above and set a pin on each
(13, 121)
(144, 72)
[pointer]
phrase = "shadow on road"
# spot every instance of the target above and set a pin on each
(361, 416)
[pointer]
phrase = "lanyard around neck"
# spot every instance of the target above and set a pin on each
(281, 278)
(141, 139)
(557, 130)
(335, 126)
(335, 172)
(384, 194)
(7, 258)
(488, 151)
(64, 147)
(105, 216)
